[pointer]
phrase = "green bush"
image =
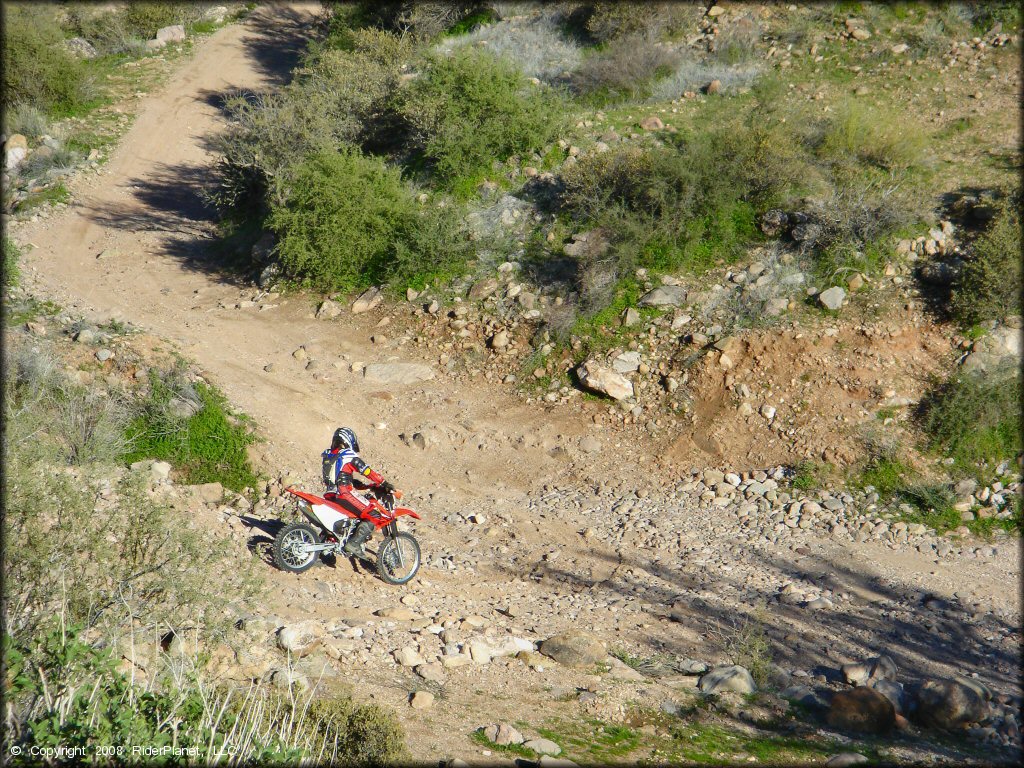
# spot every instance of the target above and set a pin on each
(989, 284)
(976, 419)
(687, 205)
(350, 221)
(340, 96)
(66, 693)
(10, 268)
(859, 134)
(205, 446)
(125, 29)
(37, 70)
(468, 110)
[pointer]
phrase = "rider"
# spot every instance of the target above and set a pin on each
(341, 465)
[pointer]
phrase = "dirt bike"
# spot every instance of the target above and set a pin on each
(299, 545)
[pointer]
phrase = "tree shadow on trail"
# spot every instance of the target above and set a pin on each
(278, 36)
(171, 202)
(944, 637)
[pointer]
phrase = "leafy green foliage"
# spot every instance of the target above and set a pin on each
(989, 284)
(207, 446)
(507, 114)
(37, 70)
(71, 695)
(10, 267)
(125, 29)
(350, 221)
(975, 418)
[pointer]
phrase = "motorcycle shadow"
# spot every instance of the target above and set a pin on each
(261, 544)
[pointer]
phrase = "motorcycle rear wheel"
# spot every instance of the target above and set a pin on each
(398, 559)
(287, 547)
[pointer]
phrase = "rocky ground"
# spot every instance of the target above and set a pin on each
(590, 564)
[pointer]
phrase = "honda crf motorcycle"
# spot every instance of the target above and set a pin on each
(299, 545)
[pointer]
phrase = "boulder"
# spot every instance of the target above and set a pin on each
(652, 123)
(832, 298)
(211, 493)
(543, 747)
(433, 673)
(327, 310)
(774, 222)
(604, 381)
(172, 34)
(845, 760)
(664, 296)
(627, 362)
(727, 678)
(952, 704)
(80, 48)
(503, 734)
(398, 613)
(299, 639)
(367, 300)
(408, 657)
(893, 691)
(999, 346)
(398, 373)
(575, 649)
(15, 151)
(862, 710)
(481, 289)
(630, 317)
(421, 700)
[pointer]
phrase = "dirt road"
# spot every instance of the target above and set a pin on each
(146, 216)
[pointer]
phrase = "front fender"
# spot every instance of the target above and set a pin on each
(399, 511)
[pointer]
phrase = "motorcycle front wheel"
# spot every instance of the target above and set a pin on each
(398, 558)
(290, 552)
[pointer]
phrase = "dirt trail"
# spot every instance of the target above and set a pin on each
(146, 216)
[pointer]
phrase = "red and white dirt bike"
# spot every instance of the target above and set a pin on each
(299, 545)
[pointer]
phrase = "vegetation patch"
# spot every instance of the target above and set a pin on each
(191, 427)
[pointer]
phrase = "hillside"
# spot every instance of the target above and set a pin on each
(718, 356)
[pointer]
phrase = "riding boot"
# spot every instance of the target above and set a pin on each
(354, 546)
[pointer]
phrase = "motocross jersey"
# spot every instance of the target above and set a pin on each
(342, 466)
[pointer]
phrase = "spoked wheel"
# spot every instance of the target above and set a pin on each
(291, 547)
(398, 558)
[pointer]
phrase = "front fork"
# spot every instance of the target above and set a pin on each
(391, 529)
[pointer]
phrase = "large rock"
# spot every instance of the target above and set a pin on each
(368, 299)
(483, 288)
(664, 296)
(408, 657)
(652, 123)
(605, 381)
(627, 362)
(421, 700)
(1000, 346)
(832, 298)
(299, 639)
(575, 649)
(80, 48)
(728, 678)
(952, 704)
(15, 151)
(862, 710)
(543, 747)
(863, 672)
(398, 373)
(327, 310)
(172, 34)
(503, 734)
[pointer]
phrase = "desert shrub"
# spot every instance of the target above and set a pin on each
(350, 221)
(125, 29)
(536, 45)
(685, 205)
(625, 69)
(976, 419)
(610, 21)
(39, 163)
(10, 268)
(737, 42)
(852, 224)
(989, 284)
(859, 134)
(25, 119)
(70, 694)
(408, 17)
(192, 428)
(37, 70)
(340, 96)
(693, 74)
(471, 89)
